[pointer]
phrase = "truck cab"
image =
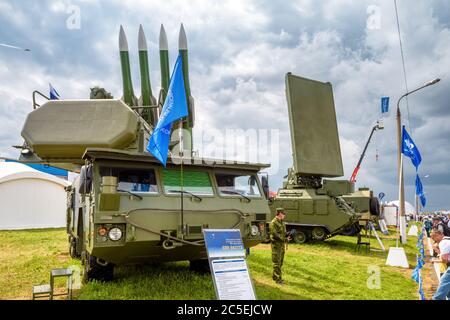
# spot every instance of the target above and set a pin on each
(131, 209)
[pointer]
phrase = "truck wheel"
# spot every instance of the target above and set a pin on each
(73, 248)
(374, 205)
(351, 230)
(95, 271)
(200, 266)
(318, 233)
(300, 237)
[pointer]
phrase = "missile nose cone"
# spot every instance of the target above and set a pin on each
(163, 39)
(182, 41)
(142, 42)
(123, 44)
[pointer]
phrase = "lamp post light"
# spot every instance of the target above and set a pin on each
(400, 161)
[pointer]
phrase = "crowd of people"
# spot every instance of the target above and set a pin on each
(441, 221)
(438, 229)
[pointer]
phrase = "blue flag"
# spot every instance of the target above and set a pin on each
(419, 187)
(54, 95)
(409, 149)
(423, 200)
(175, 108)
(415, 274)
(384, 104)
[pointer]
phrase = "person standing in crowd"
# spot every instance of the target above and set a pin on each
(428, 225)
(443, 291)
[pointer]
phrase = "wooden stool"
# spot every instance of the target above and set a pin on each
(61, 272)
(360, 243)
(41, 291)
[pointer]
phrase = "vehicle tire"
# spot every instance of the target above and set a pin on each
(300, 237)
(318, 233)
(95, 271)
(73, 248)
(351, 230)
(200, 266)
(374, 206)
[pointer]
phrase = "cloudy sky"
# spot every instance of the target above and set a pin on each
(239, 54)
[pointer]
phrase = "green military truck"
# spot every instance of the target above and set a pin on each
(316, 208)
(125, 207)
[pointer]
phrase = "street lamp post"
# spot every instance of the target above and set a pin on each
(400, 162)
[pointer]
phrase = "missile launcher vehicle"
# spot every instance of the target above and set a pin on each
(125, 207)
(316, 207)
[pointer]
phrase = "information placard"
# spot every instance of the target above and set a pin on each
(226, 253)
(221, 243)
(232, 279)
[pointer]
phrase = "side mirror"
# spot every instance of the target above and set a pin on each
(85, 184)
(265, 185)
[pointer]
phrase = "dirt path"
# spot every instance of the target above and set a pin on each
(430, 280)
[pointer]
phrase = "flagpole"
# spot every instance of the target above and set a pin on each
(400, 228)
(399, 152)
(181, 177)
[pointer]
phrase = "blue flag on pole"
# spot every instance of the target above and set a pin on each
(54, 95)
(409, 149)
(419, 191)
(423, 200)
(384, 105)
(175, 108)
(415, 274)
(419, 187)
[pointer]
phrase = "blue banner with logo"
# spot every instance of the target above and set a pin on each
(222, 243)
(384, 105)
(410, 149)
(175, 108)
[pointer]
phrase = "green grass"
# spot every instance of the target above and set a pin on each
(329, 270)
(26, 258)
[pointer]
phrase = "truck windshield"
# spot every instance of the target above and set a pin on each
(245, 185)
(133, 180)
(196, 182)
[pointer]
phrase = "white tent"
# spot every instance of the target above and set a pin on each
(391, 210)
(409, 208)
(30, 198)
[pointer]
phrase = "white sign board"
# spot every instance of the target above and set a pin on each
(232, 279)
(226, 254)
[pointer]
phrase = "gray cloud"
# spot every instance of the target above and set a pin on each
(239, 54)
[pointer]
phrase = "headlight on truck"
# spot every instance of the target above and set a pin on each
(254, 230)
(115, 234)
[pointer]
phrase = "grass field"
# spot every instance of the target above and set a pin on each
(329, 270)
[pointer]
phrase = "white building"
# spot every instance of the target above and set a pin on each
(30, 198)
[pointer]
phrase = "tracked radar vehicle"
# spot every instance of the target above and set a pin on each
(125, 207)
(316, 207)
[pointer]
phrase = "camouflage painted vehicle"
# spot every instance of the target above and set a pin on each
(316, 208)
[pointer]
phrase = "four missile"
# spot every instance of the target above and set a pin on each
(147, 99)
(128, 94)
(146, 90)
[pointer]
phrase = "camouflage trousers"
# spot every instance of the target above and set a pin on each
(278, 249)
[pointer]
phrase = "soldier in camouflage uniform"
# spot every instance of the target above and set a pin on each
(278, 241)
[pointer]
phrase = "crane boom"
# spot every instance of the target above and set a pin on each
(378, 126)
